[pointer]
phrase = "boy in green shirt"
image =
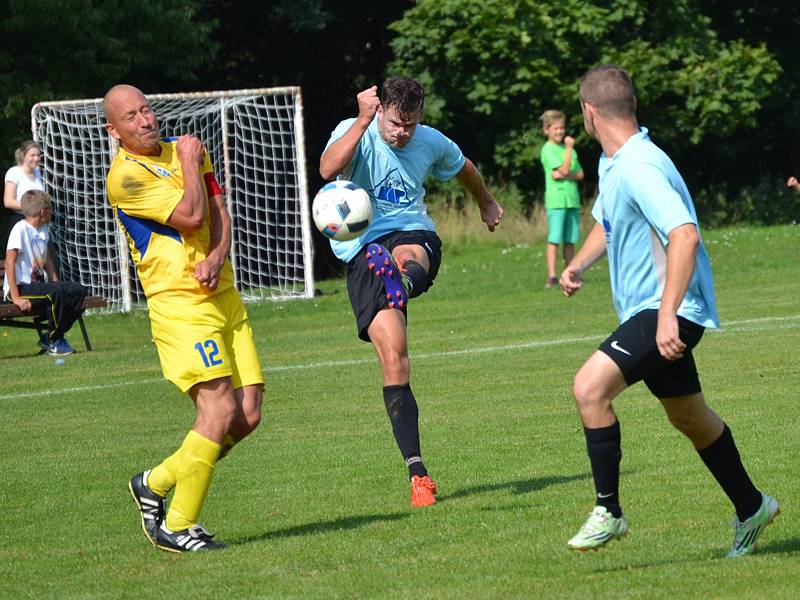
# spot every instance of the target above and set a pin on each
(562, 172)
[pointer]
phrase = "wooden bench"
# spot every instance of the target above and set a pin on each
(36, 318)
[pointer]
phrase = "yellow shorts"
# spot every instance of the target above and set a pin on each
(206, 341)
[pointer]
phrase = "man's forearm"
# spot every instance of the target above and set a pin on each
(220, 233)
(681, 255)
(339, 154)
(592, 249)
(471, 180)
(194, 192)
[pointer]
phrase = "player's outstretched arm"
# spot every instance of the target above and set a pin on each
(592, 250)
(471, 180)
(339, 154)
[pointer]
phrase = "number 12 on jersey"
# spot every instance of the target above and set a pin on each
(208, 352)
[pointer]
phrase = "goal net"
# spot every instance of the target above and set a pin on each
(255, 139)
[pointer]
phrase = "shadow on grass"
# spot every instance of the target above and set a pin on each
(319, 527)
(787, 546)
(523, 486)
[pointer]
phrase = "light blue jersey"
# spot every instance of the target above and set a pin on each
(642, 198)
(393, 179)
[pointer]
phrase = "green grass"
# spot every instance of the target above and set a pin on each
(315, 503)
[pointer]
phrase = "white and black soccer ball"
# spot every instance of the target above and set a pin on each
(342, 211)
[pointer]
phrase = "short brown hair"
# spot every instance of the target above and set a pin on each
(610, 90)
(406, 95)
(552, 116)
(33, 201)
(19, 153)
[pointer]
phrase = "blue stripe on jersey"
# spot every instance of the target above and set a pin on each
(141, 164)
(141, 230)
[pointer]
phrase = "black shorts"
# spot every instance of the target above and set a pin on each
(633, 348)
(367, 296)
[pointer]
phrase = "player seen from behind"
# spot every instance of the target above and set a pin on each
(664, 296)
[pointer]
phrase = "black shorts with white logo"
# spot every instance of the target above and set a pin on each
(366, 292)
(633, 348)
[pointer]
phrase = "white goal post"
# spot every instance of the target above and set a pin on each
(256, 142)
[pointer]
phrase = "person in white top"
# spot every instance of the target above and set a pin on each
(31, 276)
(21, 178)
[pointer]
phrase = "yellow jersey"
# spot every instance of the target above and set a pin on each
(143, 191)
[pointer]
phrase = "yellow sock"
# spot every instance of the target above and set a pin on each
(163, 477)
(197, 457)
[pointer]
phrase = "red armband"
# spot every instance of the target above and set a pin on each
(212, 187)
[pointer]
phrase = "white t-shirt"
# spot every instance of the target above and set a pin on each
(24, 183)
(31, 246)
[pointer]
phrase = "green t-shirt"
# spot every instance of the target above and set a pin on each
(559, 193)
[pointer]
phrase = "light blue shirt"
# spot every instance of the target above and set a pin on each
(393, 179)
(642, 198)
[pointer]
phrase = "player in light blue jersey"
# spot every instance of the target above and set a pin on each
(386, 151)
(664, 295)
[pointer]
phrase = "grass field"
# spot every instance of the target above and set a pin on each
(315, 503)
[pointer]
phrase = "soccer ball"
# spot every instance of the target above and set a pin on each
(342, 211)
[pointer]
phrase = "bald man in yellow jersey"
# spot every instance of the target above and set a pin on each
(170, 206)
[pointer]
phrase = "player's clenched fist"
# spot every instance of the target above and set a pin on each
(368, 103)
(189, 148)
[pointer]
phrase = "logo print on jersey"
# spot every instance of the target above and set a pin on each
(391, 189)
(162, 171)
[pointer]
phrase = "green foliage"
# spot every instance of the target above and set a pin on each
(62, 49)
(768, 202)
(492, 67)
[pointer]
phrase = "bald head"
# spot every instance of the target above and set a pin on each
(131, 120)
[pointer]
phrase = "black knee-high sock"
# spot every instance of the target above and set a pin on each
(404, 415)
(417, 277)
(723, 460)
(605, 453)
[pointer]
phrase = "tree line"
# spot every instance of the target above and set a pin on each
(716, 80)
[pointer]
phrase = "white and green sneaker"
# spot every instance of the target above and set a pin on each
(745, 534)
(600, 528)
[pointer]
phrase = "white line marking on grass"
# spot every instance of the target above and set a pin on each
(743, 325)
(444, 354)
